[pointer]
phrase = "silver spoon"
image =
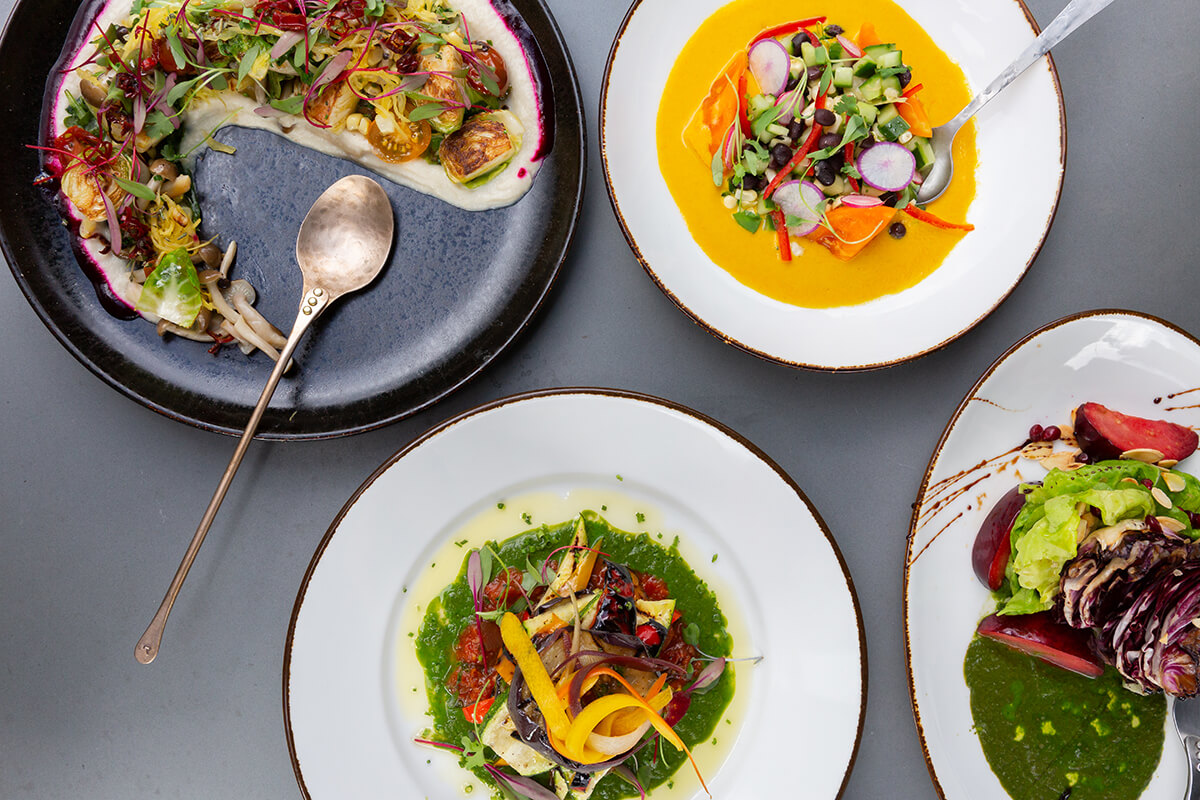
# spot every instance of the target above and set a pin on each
(344, 242)
(1186, 714)
(1068, 20)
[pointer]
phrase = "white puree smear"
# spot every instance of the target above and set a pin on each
(497, 524)
(230, 108)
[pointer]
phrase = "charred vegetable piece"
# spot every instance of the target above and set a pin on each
(483, 144)
(1040, 635)
(993, 544)
(1104, 433)
(442, 87)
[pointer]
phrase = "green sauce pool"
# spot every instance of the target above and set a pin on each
(446, 615)
(1045, 730)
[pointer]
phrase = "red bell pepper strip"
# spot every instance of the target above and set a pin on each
(478, 713)
(786, 28)
(935, 220)
(781, 235)
(801, 154)
(913, 89)
(743, 110)
(849, 159)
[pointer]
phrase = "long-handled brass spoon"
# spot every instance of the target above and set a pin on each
(344, 242)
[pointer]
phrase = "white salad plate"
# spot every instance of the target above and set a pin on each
(354, 696)
(982, 36)
(1124, 360)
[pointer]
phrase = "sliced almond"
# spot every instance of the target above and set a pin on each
(1174, 482)
(1161, 496)
(1037, 450)
(1068, 431)
(1147, 454)
(1167, 463)
(1131, 480)
(1171, 524)
(1062, 460)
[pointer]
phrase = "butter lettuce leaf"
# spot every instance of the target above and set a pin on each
(1046, 534)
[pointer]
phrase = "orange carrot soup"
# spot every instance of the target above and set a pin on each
(712, 111)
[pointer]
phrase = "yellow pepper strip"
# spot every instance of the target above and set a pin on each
(658, 722)
(583, 572)
(512, 632)
(591, 716)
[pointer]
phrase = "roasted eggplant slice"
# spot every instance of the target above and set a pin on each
(481, 146)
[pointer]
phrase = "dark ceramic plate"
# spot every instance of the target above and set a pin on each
(460, 287)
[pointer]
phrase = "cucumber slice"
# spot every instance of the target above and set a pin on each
(893, 128)
(869, 113)
(872, 88)
(843, 77)
(892, 58)
(891, 82)
(874, 51)
(808, 53)
(923, 152)
(835, 51)
(864, 68)
(887, 113)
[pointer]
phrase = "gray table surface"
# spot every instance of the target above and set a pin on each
(90, 531)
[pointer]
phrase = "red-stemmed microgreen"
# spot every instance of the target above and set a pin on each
(475, 583)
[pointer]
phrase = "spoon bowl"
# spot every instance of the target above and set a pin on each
(1068, 20)
(342, 246)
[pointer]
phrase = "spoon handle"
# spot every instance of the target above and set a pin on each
(311, 305)
(1068, 20)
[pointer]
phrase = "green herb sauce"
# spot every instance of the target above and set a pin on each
(450, 611)
(1044, 729)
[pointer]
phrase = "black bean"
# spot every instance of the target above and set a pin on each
(826, 173)
(751, 183)
(796, 130)
(889, 199)
(828, 140)
(780, 155)
(905, 77)
(815, 73)
(897, 230)
(799, 39)
(792, 82)
(825, 117)
(866, 144)
(834, 30)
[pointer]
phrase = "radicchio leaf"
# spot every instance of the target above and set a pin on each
(522, 787)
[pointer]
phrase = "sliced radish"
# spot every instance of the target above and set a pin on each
(727, 154)
(850, 48)
(861, 201)
(770, 63)
(787, 102)
(799, 199)
(887, 166)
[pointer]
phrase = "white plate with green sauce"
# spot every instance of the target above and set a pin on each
(1124, 360)
(354, 693)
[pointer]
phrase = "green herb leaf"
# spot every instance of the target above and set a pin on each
(890, 71)
(826, 79)
(852, 171)
(427, 111)
(846, 105)
(750, 221)
(176, 48)
(691, 634)
(758, 126)
(485, 565)
(181, 89)
(247, 63)
(755, 157)
(134, 188)
(293, 105)
(157, 125)
(718, 168)
(80, 114)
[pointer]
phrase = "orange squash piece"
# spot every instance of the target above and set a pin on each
(867, 36)
(913, 112)
(720, 110)
(855, 228)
